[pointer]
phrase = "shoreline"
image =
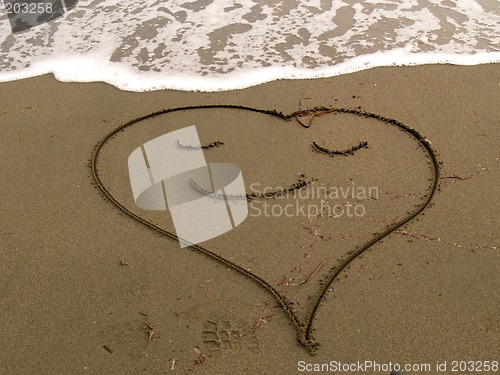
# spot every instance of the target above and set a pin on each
(127, 80)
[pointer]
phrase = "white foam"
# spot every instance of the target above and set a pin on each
(150, 47)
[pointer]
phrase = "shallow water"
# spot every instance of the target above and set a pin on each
(212, 45)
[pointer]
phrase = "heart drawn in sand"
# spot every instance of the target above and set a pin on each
(322, 187)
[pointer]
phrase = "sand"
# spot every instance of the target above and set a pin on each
(85, 289)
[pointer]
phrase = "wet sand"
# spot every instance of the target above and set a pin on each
(86, 289)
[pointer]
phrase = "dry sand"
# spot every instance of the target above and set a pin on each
(82, 285)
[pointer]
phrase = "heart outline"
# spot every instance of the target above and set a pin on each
(304, 330)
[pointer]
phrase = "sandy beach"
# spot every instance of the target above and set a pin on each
(86, 289)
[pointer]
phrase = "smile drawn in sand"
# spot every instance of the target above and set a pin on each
(304, 328)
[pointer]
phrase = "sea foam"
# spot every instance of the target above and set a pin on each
(213, 45)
